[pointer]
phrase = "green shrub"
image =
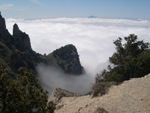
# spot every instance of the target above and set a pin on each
(51, 107)
(101, 88)
(101, 110)
(59, 107)
(22, 95)
(131, 60)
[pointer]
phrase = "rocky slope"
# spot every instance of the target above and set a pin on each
(67, 58)
(16, 51)
(131, 96)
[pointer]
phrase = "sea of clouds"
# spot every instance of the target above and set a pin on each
(93, 38)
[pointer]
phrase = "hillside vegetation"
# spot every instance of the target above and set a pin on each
(20, 91)
(131, 60)
(22, 95)
(67, 58)
(16, 52)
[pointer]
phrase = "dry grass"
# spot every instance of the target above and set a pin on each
(101, 88)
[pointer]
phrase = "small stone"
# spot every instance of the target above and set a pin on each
(79, 108)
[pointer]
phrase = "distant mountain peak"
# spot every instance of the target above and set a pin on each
(92, 17)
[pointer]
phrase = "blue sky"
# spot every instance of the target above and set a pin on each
(75, 8)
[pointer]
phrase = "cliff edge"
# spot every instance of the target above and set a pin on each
(129, 97)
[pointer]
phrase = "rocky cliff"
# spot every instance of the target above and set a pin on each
(129, 97)
(4, 34)
(16, 51)
(22, 39)
(67, 58)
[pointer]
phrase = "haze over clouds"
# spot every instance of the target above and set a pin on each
(93, 38)
(52, 78)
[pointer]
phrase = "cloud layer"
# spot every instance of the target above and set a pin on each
(93, 38)
(52, 78)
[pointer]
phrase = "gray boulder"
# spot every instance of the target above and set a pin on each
(58, 93)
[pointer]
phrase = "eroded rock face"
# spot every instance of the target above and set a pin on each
(16, 51)
(4, 34)
(58, 93)
(2, 22)
(22, 39)
(68, 59)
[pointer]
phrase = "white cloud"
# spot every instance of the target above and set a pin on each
(10, 7)
(36, 1)
(6, 6)
(93, 38)
(53, 78)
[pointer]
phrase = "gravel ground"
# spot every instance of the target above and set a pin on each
(131, 96)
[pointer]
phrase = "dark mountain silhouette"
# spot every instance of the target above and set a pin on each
(16, 51)
(92, 17)
(67, 58)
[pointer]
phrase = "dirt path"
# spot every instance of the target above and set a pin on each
(131, 96)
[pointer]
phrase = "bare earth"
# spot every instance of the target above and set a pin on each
(131, 96)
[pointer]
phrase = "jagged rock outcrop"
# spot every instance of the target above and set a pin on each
(16, 51)
(67, 58)
(2, 22)
(22, 39)
(4, 34)
(58, 93)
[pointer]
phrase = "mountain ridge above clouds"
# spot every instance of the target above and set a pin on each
(16, 51)
(91, 20)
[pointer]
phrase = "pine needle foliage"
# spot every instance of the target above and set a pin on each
(131, 60)
(21, 95)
